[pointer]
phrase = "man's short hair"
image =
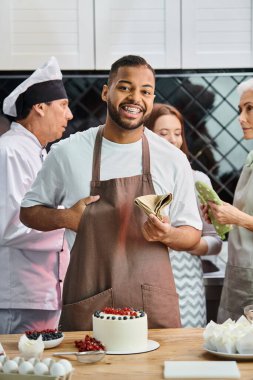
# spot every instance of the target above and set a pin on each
(26, 109)
(128, 60)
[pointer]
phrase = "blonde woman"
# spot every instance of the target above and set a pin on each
(238, 284)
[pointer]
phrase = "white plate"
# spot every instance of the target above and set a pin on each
(152, 345)
(230, 356)
(53, 342)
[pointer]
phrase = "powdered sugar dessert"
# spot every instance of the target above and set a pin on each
(30, 348)
(121, 329)
(230, 337)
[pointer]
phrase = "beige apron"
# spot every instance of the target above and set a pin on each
(237, 290)
(111, 263)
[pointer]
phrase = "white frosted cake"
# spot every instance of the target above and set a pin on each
(121, 329)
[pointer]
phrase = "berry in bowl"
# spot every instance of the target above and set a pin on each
(50, 337)
(89, 344)
(90, 350)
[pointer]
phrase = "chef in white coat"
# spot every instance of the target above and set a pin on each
(237, 290)
(32, 263)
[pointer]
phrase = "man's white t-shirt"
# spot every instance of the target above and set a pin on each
(66, 174)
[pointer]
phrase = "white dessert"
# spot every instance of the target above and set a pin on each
(230, 337)
(121, 332)
(29, 348)
(244, 344)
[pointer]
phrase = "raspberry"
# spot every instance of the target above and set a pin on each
(89, 344)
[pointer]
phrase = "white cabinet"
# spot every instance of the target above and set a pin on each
(92, 34)
(149, 28)
(33, 30)
(175, 34)
(216, 34)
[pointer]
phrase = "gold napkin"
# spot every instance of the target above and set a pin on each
(153, 204)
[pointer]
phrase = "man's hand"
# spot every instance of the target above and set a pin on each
(77, 210)
(44, 218)
(178, 238)
(156, 230)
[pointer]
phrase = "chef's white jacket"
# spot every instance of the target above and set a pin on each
(32, 263)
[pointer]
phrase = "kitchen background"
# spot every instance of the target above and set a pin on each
(200, 49)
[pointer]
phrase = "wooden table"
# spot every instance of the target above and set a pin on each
(175, 344)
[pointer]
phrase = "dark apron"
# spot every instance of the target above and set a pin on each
(111, 264)
(237, 291)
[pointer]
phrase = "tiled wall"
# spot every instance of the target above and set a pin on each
(208, 102)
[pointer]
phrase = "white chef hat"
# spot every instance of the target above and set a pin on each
(44, 85)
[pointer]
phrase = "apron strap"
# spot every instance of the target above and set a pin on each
(145, 155)
(97, 155)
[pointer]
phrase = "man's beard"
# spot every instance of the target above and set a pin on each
(129, 126)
